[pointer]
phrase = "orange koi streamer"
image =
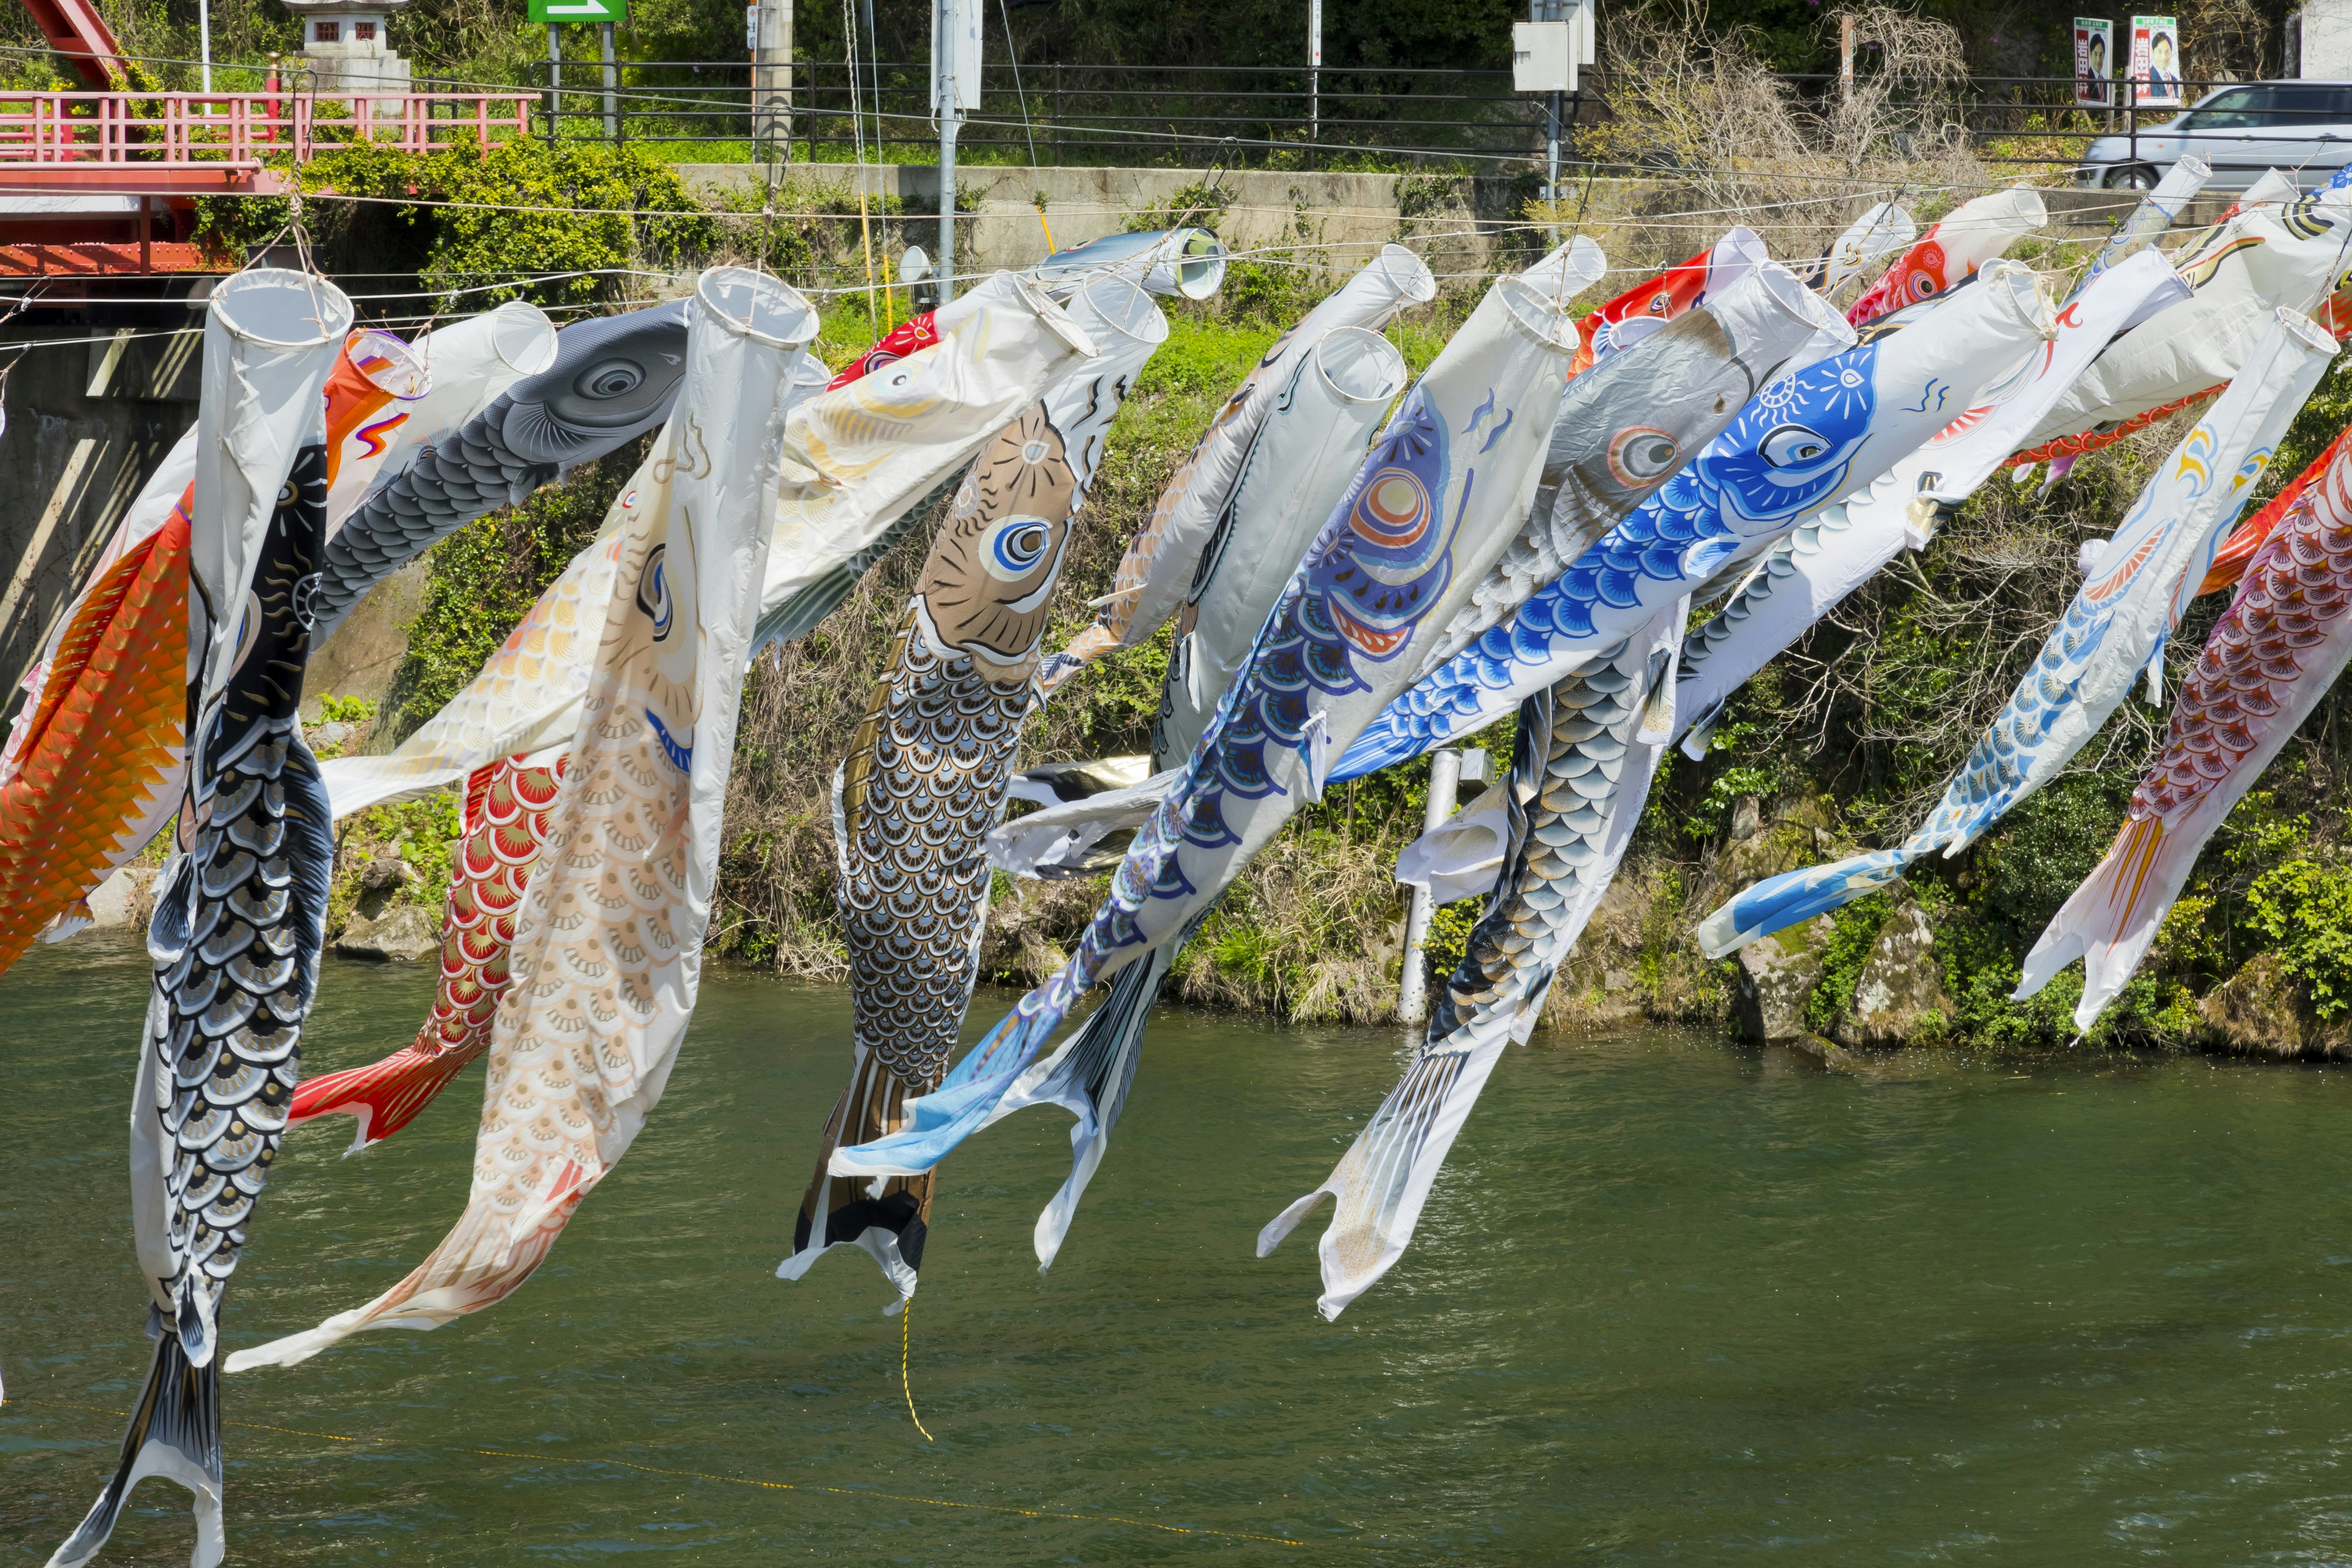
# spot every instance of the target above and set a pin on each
(103, 749)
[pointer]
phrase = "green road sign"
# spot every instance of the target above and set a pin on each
(579, 10)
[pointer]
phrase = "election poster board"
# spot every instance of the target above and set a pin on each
(2095, 58)
(2156, 62)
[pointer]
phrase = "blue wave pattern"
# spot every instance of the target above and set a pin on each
(1787, 453)
(1379, 567)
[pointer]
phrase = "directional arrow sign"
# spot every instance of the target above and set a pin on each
(579, 10)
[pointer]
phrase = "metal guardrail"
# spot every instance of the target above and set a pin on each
(1189, 115)
(1073, 114)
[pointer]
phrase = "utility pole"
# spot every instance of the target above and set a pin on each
(771, 79)
(1314, 78)
(611, 89)
(955, 87)
(554, 78)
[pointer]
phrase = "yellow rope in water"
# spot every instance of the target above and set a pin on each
(905, 1332)
(760, 1484)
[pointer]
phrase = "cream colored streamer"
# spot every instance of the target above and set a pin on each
(942, 404)
(608, 952)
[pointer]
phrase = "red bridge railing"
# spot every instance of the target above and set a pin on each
(168, 143)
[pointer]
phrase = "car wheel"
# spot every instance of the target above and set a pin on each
(2139, 177)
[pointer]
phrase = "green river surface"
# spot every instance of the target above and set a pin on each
(1673, 1300)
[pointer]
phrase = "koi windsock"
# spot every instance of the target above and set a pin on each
(241, 911)
(2230, 560)
(95, 764)
(504, 827)
(1808, 574)
(2241, 270)
(1322, 414)
(1156, 566)
(2273, 655)
(1808, 440)
(1584, 755)
(1435, 504)
(881, 442)
(607, 955)
(2114, 628)
(1882, 230)
(1955, 246)
(929, 770)
(611, 379)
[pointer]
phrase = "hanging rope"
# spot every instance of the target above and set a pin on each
(905, 1333)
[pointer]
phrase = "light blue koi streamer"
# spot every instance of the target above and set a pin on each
(2116, 625)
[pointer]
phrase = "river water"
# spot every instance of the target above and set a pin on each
(1674, 1302)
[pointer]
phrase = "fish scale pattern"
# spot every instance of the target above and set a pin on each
(1572, 751)
(235, 983)
(102, 757)
(507, 807)
(2300, 583)
(1784, 454)
(932, 766)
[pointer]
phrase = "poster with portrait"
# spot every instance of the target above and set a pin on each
(2156, 62)
(2094, 62)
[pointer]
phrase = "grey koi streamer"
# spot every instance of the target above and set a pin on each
(614, 378)
(1575, 746)
(235, 941)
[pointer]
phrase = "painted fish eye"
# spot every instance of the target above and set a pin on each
(1642, 453)
(1660, 303)
(1014, 548)
(1922, 286)
(614, 378)
(286, 493)
(1793, 445)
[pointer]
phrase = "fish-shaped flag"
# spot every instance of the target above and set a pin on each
(376, 378)
(2230, 560)
(2147, 221)
(891, 435)
(613, 378)
(503, 830)
(1806, 574)
(1808, 440)
(1610, 453)
(463, 366)
(1435, 504)
(1647, 306)
(1189, 263)
(930, 766)
(2242, 270)
(1318, 422)
(240, 915)
(1955, 247)
(2117, 624)
(2273, 655)
(1156, 566)
(607, 953)
(1579, 764)
(1882, 230)
(863, 460)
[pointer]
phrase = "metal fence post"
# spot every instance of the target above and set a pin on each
(1413, 985)
(611, 89)
(555, 78)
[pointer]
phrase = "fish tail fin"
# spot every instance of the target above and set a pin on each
(1089, 1078)
(174, 1433)
(1382, 1181)
(383, 1097)
(1793, 898)
(887, 1217)
(2111, 918)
